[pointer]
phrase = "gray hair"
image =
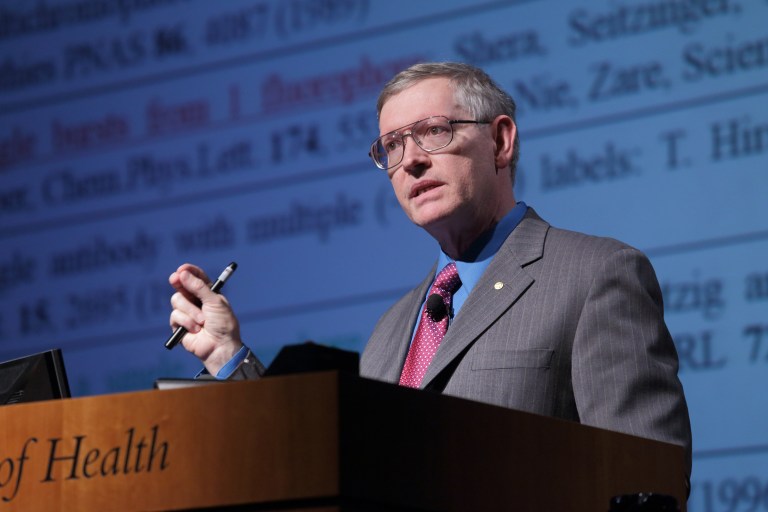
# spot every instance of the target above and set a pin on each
(474, 90)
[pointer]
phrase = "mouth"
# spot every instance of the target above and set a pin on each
(423, 187)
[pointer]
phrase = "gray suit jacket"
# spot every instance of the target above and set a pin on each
(561, 324)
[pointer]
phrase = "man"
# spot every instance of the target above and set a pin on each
(541, 319)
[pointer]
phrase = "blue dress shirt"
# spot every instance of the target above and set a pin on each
(477, 258)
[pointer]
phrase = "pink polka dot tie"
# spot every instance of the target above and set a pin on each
(431, 331)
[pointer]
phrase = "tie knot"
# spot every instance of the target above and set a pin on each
(447, 280)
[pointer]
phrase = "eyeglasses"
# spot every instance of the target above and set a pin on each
(430, 134)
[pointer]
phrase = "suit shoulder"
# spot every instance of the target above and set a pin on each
(585, 255)
(586, 243)
(533, 230)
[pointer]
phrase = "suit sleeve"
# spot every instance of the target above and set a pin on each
(249, 368)
(624, 360)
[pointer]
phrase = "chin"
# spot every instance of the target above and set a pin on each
(427, 220)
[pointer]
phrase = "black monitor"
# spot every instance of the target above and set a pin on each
(33, 378)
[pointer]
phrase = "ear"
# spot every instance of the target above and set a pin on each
(504, 131)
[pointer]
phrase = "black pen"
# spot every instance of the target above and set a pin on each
(215, 287)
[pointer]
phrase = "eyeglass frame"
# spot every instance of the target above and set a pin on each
(451, 122)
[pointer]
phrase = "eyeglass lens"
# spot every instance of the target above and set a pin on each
(430, 134)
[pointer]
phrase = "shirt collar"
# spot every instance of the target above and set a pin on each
(479, 255)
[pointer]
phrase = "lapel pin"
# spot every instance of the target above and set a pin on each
(499, 285)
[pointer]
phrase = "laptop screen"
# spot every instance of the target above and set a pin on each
(33, 378)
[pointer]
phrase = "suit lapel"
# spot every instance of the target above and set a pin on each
(395, 347)
(488, 301)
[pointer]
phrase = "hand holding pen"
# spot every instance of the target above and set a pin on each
(202, 317)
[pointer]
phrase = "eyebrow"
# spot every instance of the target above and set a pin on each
(397, 130)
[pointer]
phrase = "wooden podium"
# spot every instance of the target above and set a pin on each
(315, 442)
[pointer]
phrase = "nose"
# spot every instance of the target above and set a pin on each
(415, 159)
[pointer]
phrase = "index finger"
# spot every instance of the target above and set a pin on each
(199, 280)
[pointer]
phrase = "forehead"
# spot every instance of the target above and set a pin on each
(431, 97)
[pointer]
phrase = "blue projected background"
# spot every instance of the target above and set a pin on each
(139, 134)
